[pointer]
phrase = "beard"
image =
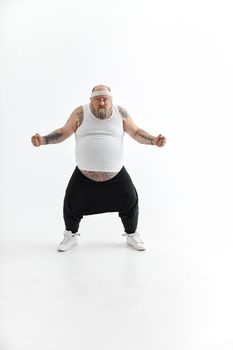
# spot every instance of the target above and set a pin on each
(102, 113)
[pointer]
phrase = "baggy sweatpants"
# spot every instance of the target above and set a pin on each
(84, 196)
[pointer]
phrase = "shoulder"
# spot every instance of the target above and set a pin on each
(123, 112)
(129, 125)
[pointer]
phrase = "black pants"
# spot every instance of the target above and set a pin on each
(84, 196)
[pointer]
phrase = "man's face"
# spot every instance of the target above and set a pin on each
(102, 105)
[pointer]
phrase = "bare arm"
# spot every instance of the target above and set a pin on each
(139, 134)
(61, 134)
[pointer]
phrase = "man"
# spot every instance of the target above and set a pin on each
(100, 182)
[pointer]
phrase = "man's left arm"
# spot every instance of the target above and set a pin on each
(139, 134)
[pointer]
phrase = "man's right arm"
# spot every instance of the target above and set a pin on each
(61, 134)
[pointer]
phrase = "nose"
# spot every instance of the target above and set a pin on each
(101, 102)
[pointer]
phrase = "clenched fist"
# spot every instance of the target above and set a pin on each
(160, 140)
(37, 140)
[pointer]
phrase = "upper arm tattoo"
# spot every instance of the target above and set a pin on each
(123, 112)
(80, 116)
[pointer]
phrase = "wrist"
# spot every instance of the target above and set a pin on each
(43, 141)
(154, 141)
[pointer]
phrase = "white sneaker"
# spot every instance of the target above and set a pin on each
(69, 241)
(134, 240)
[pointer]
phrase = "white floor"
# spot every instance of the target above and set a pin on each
(105, 295)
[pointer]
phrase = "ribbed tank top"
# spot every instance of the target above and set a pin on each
(99, 142)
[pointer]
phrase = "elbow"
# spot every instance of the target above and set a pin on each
(136, 132)
(136, 135)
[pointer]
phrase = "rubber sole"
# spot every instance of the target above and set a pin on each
(136, 247)
(65, 250)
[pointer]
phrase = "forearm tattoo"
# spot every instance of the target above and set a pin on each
(146, 137)
(123, 112)
(53, 138)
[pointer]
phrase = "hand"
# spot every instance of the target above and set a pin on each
(37, 140)
(160, 140)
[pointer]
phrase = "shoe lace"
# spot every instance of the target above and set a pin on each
(68, 236)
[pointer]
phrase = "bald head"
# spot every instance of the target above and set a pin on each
(101, 87)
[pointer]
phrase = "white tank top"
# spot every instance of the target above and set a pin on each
(99, 142)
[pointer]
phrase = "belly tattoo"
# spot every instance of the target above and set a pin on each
(98, 175)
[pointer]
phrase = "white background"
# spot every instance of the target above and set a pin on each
(169, 63)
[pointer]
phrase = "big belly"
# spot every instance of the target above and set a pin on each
(99, 154)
